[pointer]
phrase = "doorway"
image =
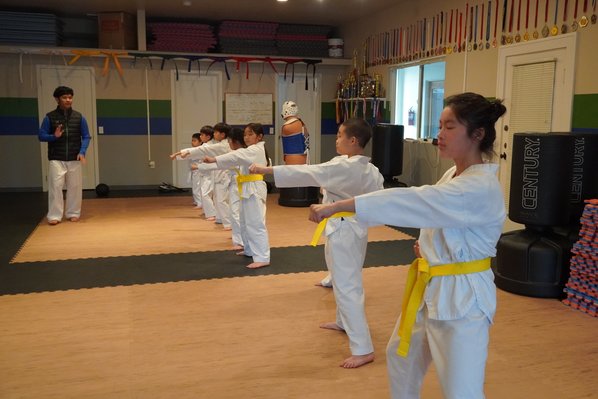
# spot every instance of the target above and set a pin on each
(535, 79)
(310, 112)
(196, 101)
(82, 81)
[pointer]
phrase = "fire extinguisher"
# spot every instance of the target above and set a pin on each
(411, 117)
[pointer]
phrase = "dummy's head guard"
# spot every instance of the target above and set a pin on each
(62, 90)
(289, 108)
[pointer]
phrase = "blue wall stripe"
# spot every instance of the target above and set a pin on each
(135, 126)
(19, 126)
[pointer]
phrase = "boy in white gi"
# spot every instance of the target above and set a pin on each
(194, 176)
(450, 297)
(253, 192)
(206, 135)
(221, 178)
(345, 176)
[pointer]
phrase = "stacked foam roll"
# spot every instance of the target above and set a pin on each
(303, 40)
(244, 37)
(582, 287)
(30, 28)
(180, 37)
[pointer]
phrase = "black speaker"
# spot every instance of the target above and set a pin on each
(387, 149)
(298, 196)
(541, 178)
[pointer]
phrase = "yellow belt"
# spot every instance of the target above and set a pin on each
(247, 178)
(322, 226)
(419, 275)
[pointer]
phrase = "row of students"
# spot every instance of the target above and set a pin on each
(229, 161)
(450, 297)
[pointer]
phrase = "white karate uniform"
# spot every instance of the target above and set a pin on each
(64, 174)
(252, 216)
(195, 180)
(461, 219)
(221, 179)
(234, 202)
(340, 178)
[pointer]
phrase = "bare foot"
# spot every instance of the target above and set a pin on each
(74, 219)
(211, 218)
(53, 222)
(237, 247)
(227, 228)
(331, 326)
(357, 361)
(240, 253)
(257, 265)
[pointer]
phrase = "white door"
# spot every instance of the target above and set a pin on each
(82, 81)
(535, 79)
(310, 112)
(196, 102)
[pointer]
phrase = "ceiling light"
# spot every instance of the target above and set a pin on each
(280, 1)
(187, 3)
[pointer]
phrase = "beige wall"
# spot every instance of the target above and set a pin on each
(481, 65)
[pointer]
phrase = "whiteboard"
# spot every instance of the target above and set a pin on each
(242, 109)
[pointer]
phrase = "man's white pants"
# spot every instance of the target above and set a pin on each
(345, 254)
(61, 174)
(253, 229)
(458, 348)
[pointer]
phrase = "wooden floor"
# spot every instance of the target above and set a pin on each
(258, 337)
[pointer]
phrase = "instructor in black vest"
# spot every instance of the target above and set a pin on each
(67, 134)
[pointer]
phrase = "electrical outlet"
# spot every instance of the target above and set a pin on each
(151, 164)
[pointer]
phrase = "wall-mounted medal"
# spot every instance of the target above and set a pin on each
(545, 30)
(518, 36)
(535, 34)
(583, 21)
(574, 23)
(526, 34)
(564, 27)
(555, 29)
(488, 24)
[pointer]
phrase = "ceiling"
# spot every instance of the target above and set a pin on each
(312, 12)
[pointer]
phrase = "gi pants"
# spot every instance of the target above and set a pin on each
(253, 228)
(221, 203)
(61, 174)
(235, 209)
(345, 253)
(458, 348)
(196, 187)
(207, 187)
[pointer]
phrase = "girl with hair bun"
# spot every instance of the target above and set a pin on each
(450, 296)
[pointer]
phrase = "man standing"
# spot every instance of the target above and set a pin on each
(67, 135)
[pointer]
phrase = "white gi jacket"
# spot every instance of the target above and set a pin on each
(212, 150)
(243, 158)
(340, 178)
(461, 219)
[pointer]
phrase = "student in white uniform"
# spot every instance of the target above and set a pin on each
(206, 135)
(450, 298)
(253, 192)
(235, 141)
(194, 177)
(345, 176)
(221, 178)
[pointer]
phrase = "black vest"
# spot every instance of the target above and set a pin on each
(67, 147)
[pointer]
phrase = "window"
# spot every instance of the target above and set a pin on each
(419, 99)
